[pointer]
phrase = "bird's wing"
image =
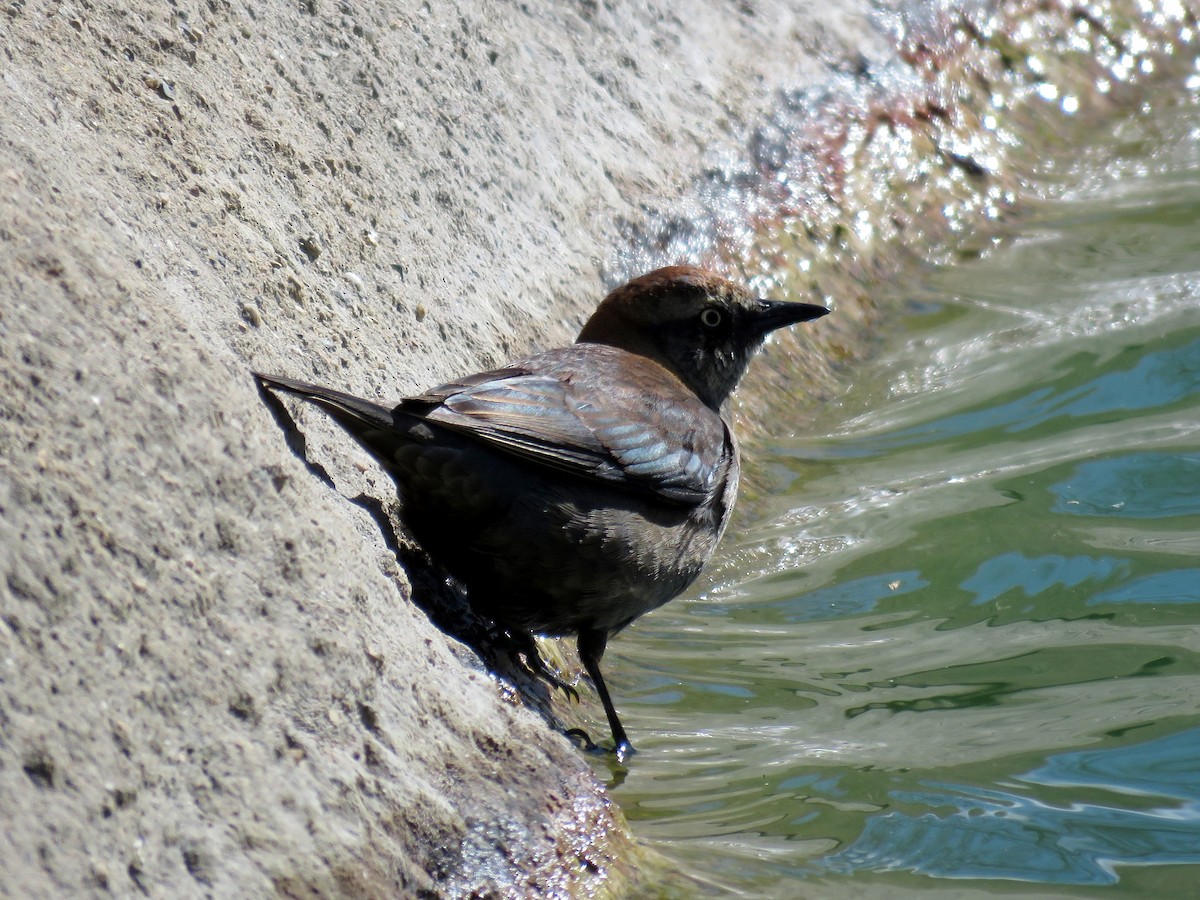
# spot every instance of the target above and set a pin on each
(673, 450)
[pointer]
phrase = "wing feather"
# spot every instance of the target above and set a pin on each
(675, 449)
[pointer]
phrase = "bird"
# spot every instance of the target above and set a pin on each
(575, 490)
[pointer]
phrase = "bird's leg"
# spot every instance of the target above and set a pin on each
(524, 643)
(591, 650)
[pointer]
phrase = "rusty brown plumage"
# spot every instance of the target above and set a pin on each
(573, 491)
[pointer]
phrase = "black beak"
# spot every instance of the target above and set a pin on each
(772, 314)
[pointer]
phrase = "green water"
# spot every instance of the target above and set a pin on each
(958, 651)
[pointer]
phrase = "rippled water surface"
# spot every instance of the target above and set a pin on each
(958, 650)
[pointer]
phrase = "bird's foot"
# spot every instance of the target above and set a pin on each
(527, 647)
(622, 751)
(588, 744)
(543, 671)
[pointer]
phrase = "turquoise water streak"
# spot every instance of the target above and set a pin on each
(962, 639)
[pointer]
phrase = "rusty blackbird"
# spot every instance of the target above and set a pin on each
(584, 486)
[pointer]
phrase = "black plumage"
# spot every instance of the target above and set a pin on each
(573, 491)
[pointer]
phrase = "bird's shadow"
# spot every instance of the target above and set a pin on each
(436, 594)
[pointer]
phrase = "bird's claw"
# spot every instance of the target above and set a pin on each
(622, 751)
(588, 744)
(537, 667)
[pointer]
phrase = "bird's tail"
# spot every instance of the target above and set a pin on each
(363, 419)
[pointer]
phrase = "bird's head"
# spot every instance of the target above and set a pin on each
(699, 326)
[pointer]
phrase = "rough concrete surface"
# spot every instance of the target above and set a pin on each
(211, 680)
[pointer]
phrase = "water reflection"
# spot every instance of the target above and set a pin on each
(963, 639)
(1160, 379)
(1035, 575)
(964, 831)
(1179, 586)
(855, 597)
(1134, 485)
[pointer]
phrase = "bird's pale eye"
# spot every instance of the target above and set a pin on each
(711, 317)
